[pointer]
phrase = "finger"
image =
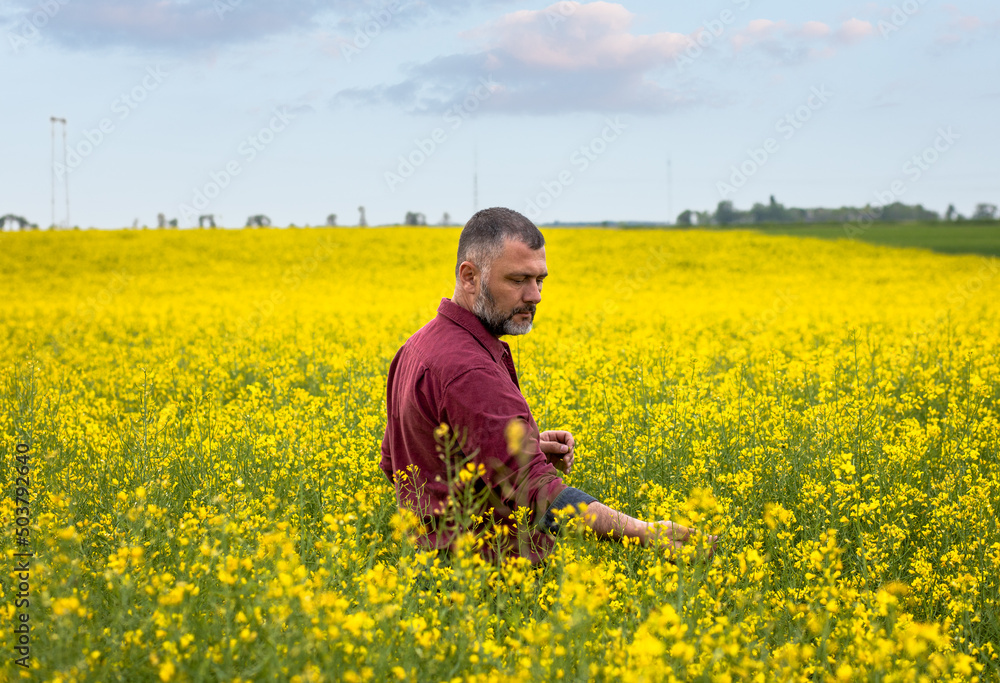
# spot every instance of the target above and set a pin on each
(678, 531)
(553, 444)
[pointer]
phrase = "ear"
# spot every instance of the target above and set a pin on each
(468, 277)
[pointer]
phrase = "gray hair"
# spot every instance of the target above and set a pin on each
(484, 235)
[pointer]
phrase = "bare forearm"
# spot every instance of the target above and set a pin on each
(607, 522)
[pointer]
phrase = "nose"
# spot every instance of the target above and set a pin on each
(533, 294)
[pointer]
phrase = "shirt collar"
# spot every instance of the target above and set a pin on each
(467, 320)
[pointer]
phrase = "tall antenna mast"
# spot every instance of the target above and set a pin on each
(66, 174)
(475, 179)
(52, 167)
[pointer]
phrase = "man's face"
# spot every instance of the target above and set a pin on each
(511, 289)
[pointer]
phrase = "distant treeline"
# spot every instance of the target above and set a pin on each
(775, 212)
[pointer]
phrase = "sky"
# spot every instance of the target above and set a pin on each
(565, 111)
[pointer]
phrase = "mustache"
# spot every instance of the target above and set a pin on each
(527, 309)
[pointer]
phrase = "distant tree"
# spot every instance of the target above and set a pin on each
(362, 220)
(775, 212)
(897, 211)
(21, 222)
(725, 214)
(772, 213)
(684, 217)
(414, 218)
(894, 212)
(794, 215)
(331, 220)
(949, 215)
(446, 219)
(985, 212)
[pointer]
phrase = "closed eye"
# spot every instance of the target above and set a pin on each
(521, 280)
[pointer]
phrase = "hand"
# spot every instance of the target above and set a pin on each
(676, 536)
(557, 445)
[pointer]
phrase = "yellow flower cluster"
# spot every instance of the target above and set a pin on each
(204, 411)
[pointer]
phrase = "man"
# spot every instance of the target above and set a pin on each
(458, 430)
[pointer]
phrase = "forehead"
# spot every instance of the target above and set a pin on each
(519, 257)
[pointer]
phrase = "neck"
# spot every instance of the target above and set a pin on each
(460, 298)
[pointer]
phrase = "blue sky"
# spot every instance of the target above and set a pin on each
(569, 111)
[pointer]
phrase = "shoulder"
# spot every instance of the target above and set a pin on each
(447, 351)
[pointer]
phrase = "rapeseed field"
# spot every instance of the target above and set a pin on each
(191, 424)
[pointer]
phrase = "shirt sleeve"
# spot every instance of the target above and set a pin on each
(569, 499)
(385, 461)
(478, 405)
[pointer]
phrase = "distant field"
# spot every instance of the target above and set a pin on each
(949, 238)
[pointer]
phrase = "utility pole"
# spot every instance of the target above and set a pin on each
(66, 175)
(52, 170)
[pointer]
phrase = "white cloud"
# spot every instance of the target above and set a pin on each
(567, 57)
(964, 29)
(570, 36)
(785, 42)
(854, 30)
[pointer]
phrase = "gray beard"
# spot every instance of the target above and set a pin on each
(497, 322)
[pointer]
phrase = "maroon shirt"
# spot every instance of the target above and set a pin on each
(453, 371)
